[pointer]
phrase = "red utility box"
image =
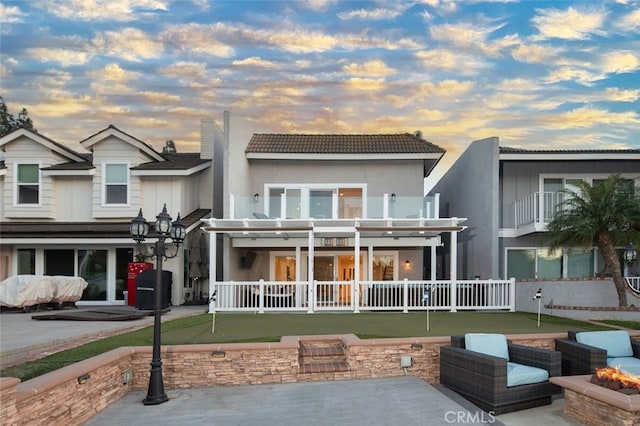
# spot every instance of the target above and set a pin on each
(133, 269)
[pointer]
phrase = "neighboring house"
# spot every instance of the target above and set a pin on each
(65, 212)
(316, 221)
(509, 195)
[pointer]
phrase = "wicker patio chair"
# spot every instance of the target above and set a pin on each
(581, 358)
(482, 378)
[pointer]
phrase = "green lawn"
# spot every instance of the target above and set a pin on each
(270, 327)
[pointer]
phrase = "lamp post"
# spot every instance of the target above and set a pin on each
(165, 229)
(630, 254)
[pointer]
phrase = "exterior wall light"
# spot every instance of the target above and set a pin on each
(630, 254)
(84, 378)
(256, 197)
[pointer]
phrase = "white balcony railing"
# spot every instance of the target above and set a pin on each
(537, 208)
(381, 207)
(406, 295)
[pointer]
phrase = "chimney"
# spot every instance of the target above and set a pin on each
(207, 131)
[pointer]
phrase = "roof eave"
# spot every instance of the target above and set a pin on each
(564, 156)
(343, 157)
(171, 172)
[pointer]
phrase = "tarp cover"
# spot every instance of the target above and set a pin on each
(21, 291)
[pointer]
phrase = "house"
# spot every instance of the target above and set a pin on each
(68, 212)
(509, 195)
(323, 221)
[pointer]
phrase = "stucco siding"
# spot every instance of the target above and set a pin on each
(402, 177)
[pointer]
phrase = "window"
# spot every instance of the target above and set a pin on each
(59, 262)
(116, 183)
(92, 266)
(521, 263)
(320, 201)
(549, 264)
(28, 184)
(580, 263)
(383, 266)
(541, 263)
(26, 261)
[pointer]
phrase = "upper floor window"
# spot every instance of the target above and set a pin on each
(27, 184)
(116, 183)
(317, 201)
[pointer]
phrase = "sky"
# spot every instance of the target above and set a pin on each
(536, 74)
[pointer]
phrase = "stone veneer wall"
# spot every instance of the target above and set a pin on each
(57, 398)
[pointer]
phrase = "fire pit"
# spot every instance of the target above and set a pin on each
(614, 379)
(605, 398)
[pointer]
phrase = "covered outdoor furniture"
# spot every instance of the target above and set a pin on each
(584, 351)
(24, 291)
(499, 376)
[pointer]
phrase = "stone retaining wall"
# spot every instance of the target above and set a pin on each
(63, 398)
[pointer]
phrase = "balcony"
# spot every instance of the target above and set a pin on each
(535, 211)
(388, 206)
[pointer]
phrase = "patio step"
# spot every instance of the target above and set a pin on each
(325, 356)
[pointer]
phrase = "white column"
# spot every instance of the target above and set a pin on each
(355, 294)
(454, 269)
(298, 277)
(310, 278)
(212, 269)
(434, 266)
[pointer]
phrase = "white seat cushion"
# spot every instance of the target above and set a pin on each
(518, 374)
(628, 364)
(488, 344)
(616, 342)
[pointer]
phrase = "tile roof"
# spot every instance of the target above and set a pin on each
(404, 143)
(177, 161)
(510, 150)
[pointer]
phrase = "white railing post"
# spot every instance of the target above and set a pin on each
(261, 296)
(512, 294)
(356, 279)
(405, 295)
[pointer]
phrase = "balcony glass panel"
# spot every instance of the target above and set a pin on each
(293, 202)
(349, 203)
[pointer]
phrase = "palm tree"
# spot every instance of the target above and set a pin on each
(606, 215)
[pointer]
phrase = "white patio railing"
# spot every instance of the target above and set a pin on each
(407, 295)
(633, 283)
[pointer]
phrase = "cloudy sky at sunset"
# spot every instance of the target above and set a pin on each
(538, 74)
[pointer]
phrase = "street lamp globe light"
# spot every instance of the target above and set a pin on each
(139, 228)
(165, 229)
(163, 222)
(178, 231)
